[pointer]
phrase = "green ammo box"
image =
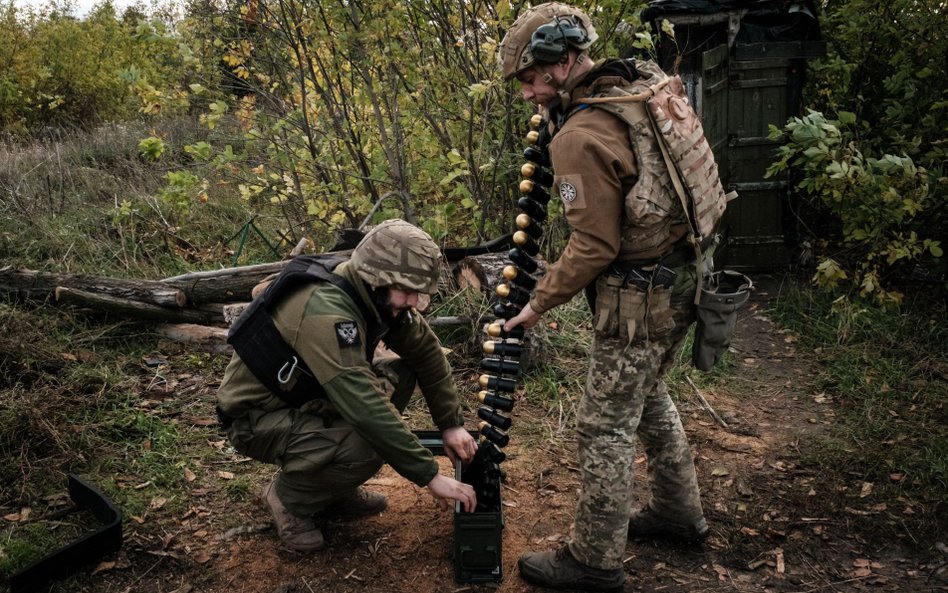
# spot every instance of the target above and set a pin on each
(478, 551)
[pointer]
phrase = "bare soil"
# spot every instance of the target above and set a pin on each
(777, 524)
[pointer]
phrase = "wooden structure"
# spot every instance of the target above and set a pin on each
(744, 65)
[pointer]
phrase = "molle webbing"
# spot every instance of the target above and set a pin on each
(262, 348)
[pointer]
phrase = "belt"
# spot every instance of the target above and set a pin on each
(643, 278)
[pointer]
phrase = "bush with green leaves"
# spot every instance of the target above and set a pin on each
(884, 205)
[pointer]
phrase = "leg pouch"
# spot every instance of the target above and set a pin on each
(722, 294)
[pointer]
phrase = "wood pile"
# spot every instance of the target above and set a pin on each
(197, 307)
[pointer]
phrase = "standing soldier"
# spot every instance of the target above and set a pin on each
(629, 242)
(302, 390)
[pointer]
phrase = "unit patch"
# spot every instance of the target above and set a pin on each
(347, 332)
(567, 191)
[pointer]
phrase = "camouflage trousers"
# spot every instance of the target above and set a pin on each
(626, 396)
(321, 456)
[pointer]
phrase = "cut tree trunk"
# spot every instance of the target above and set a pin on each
(213, 339)
(227, 285)
(105, 304)
(485, 272)
(40, 286)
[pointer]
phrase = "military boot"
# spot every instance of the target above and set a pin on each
(559, 569)
(648, 524)
(359, 503)
(296, 533)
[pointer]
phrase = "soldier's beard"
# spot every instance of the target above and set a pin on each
(383, 304)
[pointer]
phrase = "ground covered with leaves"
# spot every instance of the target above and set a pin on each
(785, 514)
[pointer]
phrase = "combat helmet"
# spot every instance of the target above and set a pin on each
(398, 253)
(544, 34)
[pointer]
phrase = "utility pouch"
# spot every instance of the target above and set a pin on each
(632, 309)
(661, 316)
(606, 318)
(722, 294)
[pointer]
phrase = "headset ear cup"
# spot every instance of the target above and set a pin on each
(548, 44)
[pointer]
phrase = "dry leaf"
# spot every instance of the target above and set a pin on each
(749, 531)
(157, 503)
(226, 475)
(104, 566)
(189, 475)
(866, 489)
(722, 572)
(720, 471)
(202, 557)
(781, 566)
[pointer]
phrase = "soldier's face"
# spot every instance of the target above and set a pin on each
(537, 87)
(401, 300)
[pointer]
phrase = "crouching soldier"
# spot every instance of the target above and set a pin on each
(302, 390)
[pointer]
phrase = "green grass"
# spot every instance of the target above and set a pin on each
(72, 390)
(886, 373)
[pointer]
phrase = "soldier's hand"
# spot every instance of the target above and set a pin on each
(459, 444)
(527, 318)
(445, 489)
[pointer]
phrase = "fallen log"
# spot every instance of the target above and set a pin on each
(213, 339)
(226, 285)
(102, 303)
(39, 286)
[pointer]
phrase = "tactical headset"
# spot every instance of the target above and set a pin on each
(550, 43)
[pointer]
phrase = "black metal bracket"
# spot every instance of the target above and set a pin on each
(92, 546)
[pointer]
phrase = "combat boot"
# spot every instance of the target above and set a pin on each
(559, 569)
(648, 524)
(296, 533)
(358, 503)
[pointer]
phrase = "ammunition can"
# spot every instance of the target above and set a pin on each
(478, 536)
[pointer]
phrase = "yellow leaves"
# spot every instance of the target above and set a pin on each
(829, 274)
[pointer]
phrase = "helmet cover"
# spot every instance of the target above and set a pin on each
(398, 253)
(543, 35)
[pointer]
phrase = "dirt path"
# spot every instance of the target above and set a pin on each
(776, 524)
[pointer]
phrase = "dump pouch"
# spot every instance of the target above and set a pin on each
(722, 294)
